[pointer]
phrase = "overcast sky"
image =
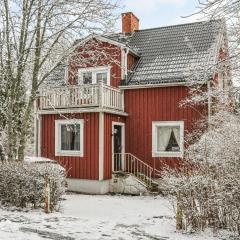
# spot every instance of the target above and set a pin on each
(156, 13)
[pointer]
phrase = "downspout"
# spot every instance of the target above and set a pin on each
(122, 63)
(124, 69)
(209, 101)
(126, 64)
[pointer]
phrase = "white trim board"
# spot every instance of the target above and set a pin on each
(156, 124)
(39, 153)
(101, 146)
(81, 110)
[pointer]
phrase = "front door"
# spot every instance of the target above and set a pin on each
(117, 147)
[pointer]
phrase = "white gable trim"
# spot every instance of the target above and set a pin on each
(104, 39)
(100, 38)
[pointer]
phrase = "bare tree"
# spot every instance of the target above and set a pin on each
(36, 37)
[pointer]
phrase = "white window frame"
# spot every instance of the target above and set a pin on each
(155, 125)
(94, 71)
(58, 151)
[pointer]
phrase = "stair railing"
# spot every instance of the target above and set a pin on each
(129, 163)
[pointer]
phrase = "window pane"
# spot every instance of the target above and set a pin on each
(102, 77)
(168, 139)
(87, 78)
(70, 137)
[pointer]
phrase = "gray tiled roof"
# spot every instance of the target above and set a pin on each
(56, 78)
(176, 53)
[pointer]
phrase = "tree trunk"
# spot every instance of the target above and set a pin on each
(24, 132)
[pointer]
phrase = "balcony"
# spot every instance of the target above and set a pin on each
(82, 96)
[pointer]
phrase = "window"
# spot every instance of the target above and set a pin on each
(167, 139)
(94, 75)
(102, 77)
(69, 137)
(87, 78)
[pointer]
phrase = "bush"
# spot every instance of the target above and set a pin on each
(207, 187)
(23, 184)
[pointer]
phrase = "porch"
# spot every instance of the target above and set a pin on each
(82, 96)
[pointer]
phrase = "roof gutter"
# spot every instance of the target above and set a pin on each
(158, 85)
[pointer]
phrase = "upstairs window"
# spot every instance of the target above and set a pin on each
(167, 139)
(94, 75)
(87, 78)
(69, 137)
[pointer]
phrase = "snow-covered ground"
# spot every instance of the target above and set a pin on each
(85, 217)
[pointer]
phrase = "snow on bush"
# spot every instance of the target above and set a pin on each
(207, 186)
(24, 184)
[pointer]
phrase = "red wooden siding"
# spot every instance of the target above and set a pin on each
(95, 54)
(108, 119)
(85, 167)
(115, 75)
(131, 61)
(155, 104)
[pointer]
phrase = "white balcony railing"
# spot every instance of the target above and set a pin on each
(78, 96)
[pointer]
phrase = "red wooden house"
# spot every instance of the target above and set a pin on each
(120, 112)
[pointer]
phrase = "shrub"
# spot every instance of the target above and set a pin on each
(207, 187)
(24, 184)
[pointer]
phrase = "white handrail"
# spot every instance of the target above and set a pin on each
(112, 97)
(129, 163)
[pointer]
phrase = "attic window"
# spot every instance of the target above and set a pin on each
(94, 75)
(102, 76)
(167, 139)
(87, 78)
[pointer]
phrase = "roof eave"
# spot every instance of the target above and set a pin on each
(157, 85)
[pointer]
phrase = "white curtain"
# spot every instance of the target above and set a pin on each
(176, 131)
(65, 140)
(163, 137)
(77, 137)
(70, 137)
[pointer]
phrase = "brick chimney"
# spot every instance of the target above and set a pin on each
(129, 22)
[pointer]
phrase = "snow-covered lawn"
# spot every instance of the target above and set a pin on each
(97, 217)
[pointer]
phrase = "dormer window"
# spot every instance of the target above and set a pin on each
(87, 77)
(102, 76)
(94, 75)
